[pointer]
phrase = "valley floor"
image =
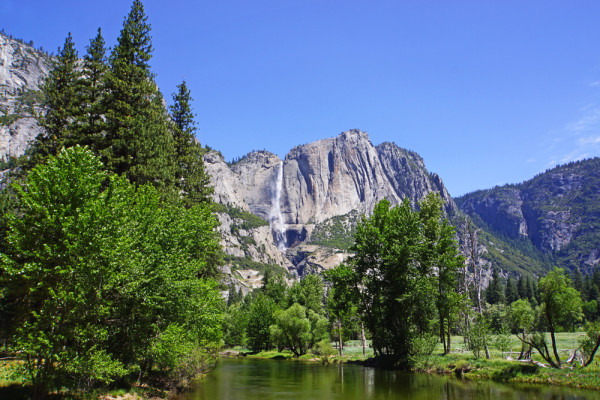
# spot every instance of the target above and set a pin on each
(463, 365)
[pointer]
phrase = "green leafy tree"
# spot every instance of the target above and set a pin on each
(260, 318)
(308, 292)
(50, 272)
(590, 342)
(342, 303)
(561, 304)
(191, 178)
(101, 273)
(275, 287)
(398, 253)
(479, 335)
(234, 326)
(298, 329)
(440, 252)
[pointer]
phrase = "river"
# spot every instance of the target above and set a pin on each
(249, 379)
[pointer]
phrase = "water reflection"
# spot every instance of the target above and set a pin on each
(242, 379)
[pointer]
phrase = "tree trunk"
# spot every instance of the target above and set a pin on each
(340, 344)
(448, 347)
(443, 334)
(362, 337)
(554, 349)
(589, 361)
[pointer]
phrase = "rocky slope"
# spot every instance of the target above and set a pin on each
(558, 212)
(322, 185)
(22, 70)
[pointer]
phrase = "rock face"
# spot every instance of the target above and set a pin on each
(22, 70)
(316, 182)
(557, 211)
(335, 176)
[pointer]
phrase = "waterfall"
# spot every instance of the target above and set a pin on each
(276, 219)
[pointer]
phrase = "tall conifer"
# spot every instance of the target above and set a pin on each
(138, 142)
(92, 94)
(60, 102)
(191, 178)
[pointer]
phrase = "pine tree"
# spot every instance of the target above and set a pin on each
(511, 295)
(60, 102)
(138, 142)
(577, 278)
(92, 94)
(494, 292)
(522, 287)
(192, 180)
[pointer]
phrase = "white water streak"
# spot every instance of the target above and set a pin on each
(276, 219)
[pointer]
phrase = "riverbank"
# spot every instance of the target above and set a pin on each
(14, 387)
(462, 364)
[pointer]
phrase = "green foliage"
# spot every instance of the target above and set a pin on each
(92, 96)
(572, 189)
(241, 263)
(502, 340)
(275, 287)
(260, 318)
(175, 351)
(138, 143)
(191, 179)
(342, 304)
(323, 349)
(404, 275)
(99, 271)
(234, 326)
(422, 347)
(308, 292)
(249, 221)
(298, 328)
(60, 100)
(590, 342)
(8, 119)
(522, 316)
(495, 292)
(479, 335)
(337, 232)
(560, 301)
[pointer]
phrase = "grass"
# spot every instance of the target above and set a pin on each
(462, 364)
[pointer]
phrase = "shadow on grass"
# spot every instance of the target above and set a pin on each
(16, 392)
(510, 372)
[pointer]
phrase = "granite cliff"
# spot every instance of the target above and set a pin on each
(317, 188)
(557, 212)
(22, 70)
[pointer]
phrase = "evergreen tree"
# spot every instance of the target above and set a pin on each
(511, 295)
(138, 142)
(596, 277)
(522, 287)
(191, 178)
(494, 293)
(92, 94)
(59, 89)
(577, 278)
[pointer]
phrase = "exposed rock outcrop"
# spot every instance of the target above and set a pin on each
(22, 70)
(319, 181)
(557, 211)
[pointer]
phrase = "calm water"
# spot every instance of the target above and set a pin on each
(243, 379)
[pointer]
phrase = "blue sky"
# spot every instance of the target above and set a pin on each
(488, 92)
